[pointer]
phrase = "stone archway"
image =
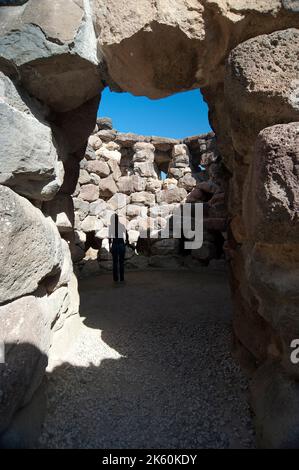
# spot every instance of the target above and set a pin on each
(55, 58)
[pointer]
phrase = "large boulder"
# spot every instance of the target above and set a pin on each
(53, 44)
(28, 162)
(272, 203)
(159, 48)
(25, 330)
(30, 246)
(261, 86)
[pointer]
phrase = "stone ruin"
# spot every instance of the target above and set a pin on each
(56, 56)
(145, 180)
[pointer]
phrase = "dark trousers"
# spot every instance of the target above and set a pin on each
(118, 253)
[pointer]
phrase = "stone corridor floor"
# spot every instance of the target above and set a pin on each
(150, 368)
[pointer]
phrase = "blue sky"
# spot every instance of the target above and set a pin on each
(178, 116)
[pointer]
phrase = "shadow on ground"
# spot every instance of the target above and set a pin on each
(151, 368)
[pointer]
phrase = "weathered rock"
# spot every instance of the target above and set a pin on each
(54, 46)
(187, 182)
(153, 185)
(145, 170)
(104, 123)
(107, 187)
(95, 142)
(134, 210)
(64, 303)
(97, 207)
(30, 246)
(25, 330)
(99, 168)
(82, 207)
(163, 144)
(262, 95)
(116, 171)
(180, 156)
(273, 194)
(143, 197)
(176, 173)
(144, 152)
(90, 153)
(84, 177)
(91, 224)
(107, 135)
(169, 183)
(66, 267)
(29, 161)
(89, 192)
(95, 179)
(61, 210)
(107, 154)
(129, 140)
(171, 196)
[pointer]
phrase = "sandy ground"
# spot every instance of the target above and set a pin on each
(151, 368)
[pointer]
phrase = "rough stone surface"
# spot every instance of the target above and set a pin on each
(25, 330)
(274, 188)
(89, 192)
(107, 187)
(61, 210)
(30, 246)
(271, 84)
(145, 202)
(29, 161)
(99, 168)
(53, 44)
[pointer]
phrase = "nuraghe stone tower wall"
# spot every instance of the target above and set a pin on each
(122, 173)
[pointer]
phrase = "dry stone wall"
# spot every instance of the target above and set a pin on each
(145, 180)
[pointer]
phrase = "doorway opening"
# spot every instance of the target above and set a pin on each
(146, 160)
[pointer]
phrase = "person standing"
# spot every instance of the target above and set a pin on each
(118, 239)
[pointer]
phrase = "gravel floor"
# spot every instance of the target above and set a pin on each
(151, 368)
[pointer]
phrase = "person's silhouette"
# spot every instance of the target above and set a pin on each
(118, 238)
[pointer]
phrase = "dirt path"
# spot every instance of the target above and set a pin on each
(151, 368)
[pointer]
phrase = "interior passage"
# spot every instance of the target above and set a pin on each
(151, 368)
